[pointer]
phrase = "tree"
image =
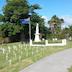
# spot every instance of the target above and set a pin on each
(65, 33)
(13, 11)
(35, 18)
(55, 24)
(70, 30)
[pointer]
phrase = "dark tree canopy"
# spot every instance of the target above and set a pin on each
(13, 11)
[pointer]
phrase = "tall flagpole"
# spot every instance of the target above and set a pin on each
(30, 13)
(29, 30)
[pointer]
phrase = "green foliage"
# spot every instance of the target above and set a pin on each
(55, 24)
(37, 19)
(0, 17)
(55, 27)
(8, 29)
(70, 30)
(65, 32)
(35, 6)
(13, 11)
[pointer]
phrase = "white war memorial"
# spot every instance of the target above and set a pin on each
(37, 39)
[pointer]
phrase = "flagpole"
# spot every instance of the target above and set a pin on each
(30, 13)
(29, 30)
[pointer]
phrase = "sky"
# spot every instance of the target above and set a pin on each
(51, 7)
(2, 3)
(61, 8)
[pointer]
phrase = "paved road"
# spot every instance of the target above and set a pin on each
(58, 62)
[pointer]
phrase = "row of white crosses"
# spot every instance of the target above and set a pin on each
(9, 50)
(3, 50)
(15, 49)
(21, 52)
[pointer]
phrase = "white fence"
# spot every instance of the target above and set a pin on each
(63, 43)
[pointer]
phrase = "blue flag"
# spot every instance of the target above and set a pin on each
(24, 21)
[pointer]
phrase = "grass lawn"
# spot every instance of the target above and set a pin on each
(54, 41)
(18, 56)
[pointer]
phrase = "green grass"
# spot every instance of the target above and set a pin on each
(42, 42)
(22, 55)
(49, 41)
(55, 41)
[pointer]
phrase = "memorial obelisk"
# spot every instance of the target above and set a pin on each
(37, 38)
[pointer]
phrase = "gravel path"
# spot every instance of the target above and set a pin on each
(58, 62)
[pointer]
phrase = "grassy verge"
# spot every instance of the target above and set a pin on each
(22, 55)
(55, 41)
